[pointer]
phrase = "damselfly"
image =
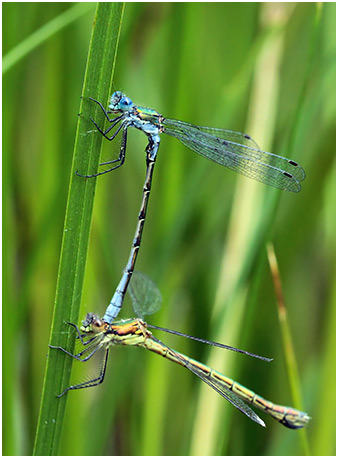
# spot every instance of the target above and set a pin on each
(234, 150)
(97, 336)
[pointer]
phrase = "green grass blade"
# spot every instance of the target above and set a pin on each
(41, 35)
(289, 352)
(250, 222)
(99, 72)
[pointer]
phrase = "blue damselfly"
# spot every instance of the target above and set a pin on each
(234, 150)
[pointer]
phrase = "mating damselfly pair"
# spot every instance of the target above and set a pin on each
(234, 150)
(96, 337)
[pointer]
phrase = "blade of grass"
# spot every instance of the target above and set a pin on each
(289, 353)
(251, 221)
(99, 71)
(41, 35)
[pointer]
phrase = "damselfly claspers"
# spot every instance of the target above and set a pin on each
(96, 334)
(234, 150)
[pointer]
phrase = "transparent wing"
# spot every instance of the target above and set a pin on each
(145, 296)
(225, 393)
(238, 152)
(205, 375)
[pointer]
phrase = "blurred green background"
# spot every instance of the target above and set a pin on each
(266, 69)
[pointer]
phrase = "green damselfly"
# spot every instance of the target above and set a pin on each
(96, 334)
(97, 337)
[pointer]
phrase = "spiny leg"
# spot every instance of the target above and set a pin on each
(102, 108)
(80, 335)
(120, 159)
(78, 355)
(104, 133)
(94, 382)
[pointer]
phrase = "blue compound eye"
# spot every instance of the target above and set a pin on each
(125, 102)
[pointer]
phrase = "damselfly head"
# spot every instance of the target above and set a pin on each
(120, 102)
(93, 323)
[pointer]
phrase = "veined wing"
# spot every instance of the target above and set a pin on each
(225, 393)
(236, 394)
(145, 296)
(238, 152)
(245, 141)
(205, 374)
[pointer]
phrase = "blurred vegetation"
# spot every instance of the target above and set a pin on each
(267, 69)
